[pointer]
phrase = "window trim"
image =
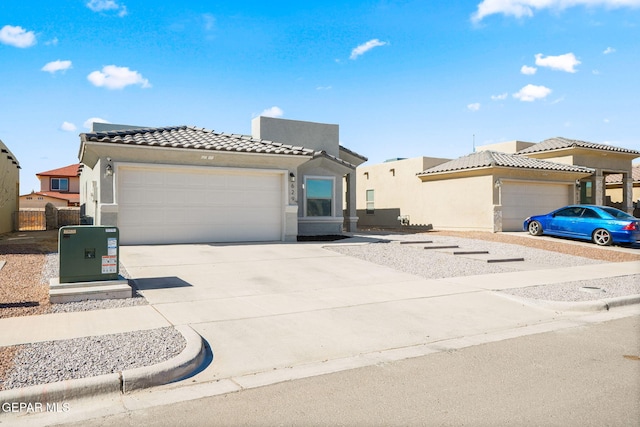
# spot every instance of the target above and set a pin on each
(333, 195)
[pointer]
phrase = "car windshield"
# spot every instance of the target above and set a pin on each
(617, 213)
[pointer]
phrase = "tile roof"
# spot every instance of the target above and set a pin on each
(192, 137)
(485, 159)
(353, 153)
(71, 170)
(559, 143)
(616, 178)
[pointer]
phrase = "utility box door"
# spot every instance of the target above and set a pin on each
(88, 253)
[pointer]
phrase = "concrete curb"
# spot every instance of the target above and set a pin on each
(117, 383)
(162, 373)
(596, 305)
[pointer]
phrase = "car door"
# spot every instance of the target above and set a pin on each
(588, 221)
(563, 222)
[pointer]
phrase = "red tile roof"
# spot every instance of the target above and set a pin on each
(71, 170)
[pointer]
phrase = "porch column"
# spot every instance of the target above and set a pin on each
(351, 220)
(627, 193)
(598, 188)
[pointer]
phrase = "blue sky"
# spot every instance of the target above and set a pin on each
(402, 78)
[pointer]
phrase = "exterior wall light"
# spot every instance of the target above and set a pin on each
(108, 170)
(292, 177)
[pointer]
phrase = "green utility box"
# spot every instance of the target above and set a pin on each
(88, 253)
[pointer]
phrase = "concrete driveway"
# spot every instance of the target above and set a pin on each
(268, 310)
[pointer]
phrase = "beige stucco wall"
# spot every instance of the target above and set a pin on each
(9, 188)
(615, 194)
(37, 201)
(397, 191)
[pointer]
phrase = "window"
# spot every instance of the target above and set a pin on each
(569, 212)
(588, 213)
(586, 192)
(370, 200)
(319, 192)
(60, 184)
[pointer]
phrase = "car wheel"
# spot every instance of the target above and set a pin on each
(601, 237)
(535, 228)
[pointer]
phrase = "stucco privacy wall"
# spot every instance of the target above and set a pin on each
(9, 188)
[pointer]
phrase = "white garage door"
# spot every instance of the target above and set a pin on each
(523, 199)
(190, 205)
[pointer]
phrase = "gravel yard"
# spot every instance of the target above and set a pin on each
(30, 263)
(31, 259)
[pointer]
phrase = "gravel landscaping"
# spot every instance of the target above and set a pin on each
(51, 361)
(25, 291)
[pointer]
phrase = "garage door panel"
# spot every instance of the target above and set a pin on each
(521, 200)
(181, 205)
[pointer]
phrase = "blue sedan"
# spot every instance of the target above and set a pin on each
(601, 224)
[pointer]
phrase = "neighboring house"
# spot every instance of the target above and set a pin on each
(40, 200)
(391, 189)
(493, 189)
(9, 188)
(61, 187)
(186, 184)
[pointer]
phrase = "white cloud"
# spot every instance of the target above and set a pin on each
(58, 65)
(528, 70)
(68, 127)
(526, 8)
(607, 121)
(209, 21)
(107, 6)
(52, 42)
(17, 36)
(324, 88)
(474, 107)
(272, 112)
(365, 47)
(566, 62)
(608, 50)
(531, 92)
(113, 77)
(500, 97)
(89, 122)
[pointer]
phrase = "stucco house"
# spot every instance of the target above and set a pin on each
(60, 187)
(9, 188)
(493, 189)
(185, 184)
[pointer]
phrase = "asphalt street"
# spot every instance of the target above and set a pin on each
(588, 375)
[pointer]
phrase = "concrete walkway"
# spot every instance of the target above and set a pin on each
(267, 308)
